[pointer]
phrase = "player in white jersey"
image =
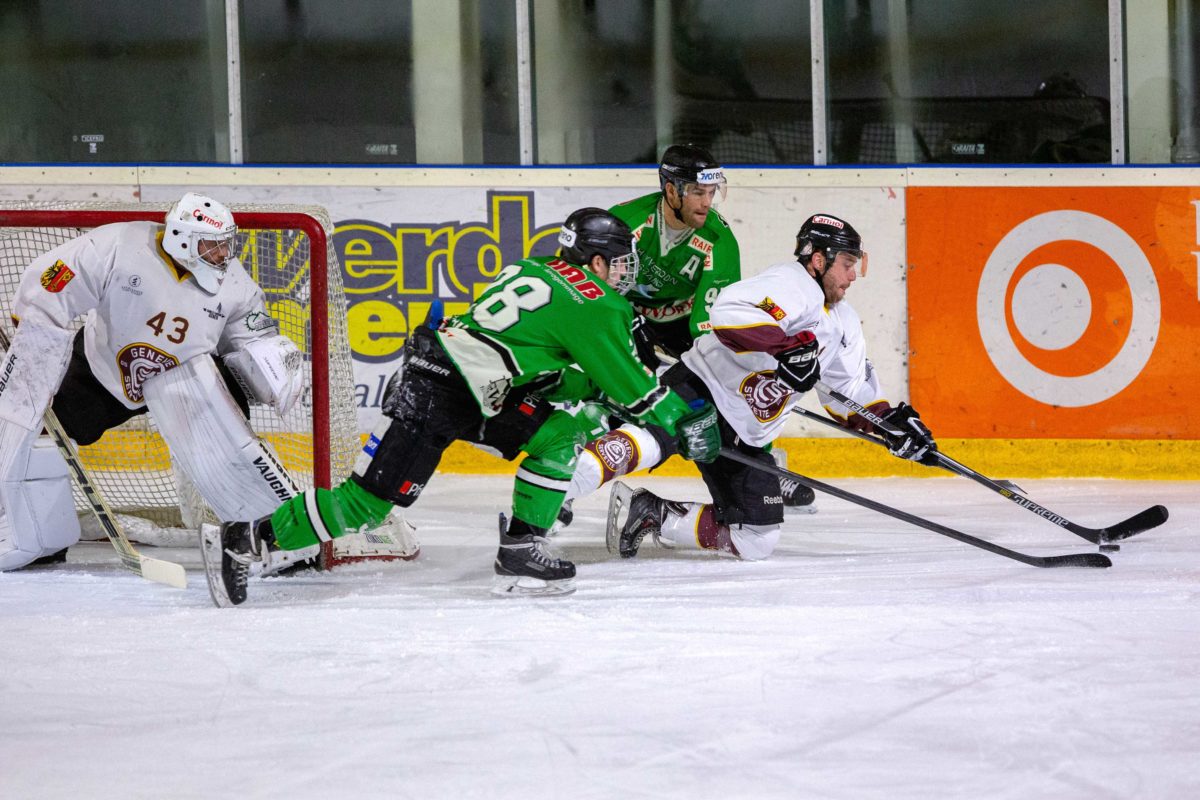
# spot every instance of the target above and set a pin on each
(160, 299)
(774, 336)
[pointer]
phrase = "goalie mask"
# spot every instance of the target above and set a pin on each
(593, 231)
(200, 234)
(692, 170)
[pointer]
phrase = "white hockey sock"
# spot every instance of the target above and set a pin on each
(616, 453)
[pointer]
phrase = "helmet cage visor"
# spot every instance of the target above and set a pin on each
(623, 272)
(204, 244)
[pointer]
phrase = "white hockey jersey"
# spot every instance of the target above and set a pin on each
(760, 316)
(145, 314)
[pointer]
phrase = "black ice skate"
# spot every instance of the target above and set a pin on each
(523, 567)
(228, 552)
(632, 515)
(796, 494)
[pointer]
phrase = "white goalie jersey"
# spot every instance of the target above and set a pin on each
(146, 315)
(759, 316)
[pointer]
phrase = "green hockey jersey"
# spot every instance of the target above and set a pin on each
(683, 280)
(539, 319)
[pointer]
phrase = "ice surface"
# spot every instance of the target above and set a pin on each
(865, 659)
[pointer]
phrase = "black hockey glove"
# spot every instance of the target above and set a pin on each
(798, 366)
(697, 435)
(912, 439)
(643, 341)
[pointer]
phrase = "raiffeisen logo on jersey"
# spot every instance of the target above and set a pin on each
(716, 175)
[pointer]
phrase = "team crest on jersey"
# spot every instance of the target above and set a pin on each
(56, 277)
(139, 363)
(768, 305)
(617, 454)
(766, 396)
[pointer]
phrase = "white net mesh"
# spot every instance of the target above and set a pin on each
(131, 464)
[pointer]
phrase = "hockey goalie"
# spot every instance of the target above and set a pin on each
(176, 328)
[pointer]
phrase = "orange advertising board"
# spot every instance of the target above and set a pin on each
(1055, 313)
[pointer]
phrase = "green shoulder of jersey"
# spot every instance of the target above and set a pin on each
(537, 320)
(680, 280)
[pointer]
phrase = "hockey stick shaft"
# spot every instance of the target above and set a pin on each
(1144, 520)
(154, 569)
(1071, 560)
(866, 437)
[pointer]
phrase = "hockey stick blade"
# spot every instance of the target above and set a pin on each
(160, 571)
(1071, 560)
(1142, 521)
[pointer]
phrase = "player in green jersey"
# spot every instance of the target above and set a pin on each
(686, 248)
(688, 253)
(546, 330)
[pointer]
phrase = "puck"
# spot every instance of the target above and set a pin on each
(1110, 548)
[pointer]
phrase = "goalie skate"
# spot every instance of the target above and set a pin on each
(524, 568)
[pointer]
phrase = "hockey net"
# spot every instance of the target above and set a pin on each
(288, 251)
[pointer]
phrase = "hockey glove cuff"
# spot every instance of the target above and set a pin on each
(798, 366)
(697, 435)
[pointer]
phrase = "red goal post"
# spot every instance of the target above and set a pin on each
(288, 251)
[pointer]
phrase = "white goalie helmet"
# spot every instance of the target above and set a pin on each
(200, 235)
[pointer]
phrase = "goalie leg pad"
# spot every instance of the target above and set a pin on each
(31, 371)
(37, 514)
(236, 474)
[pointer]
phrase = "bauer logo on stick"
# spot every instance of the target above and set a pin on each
(56, 278)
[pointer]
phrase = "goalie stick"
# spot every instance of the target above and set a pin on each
(154, 569)
(1070, 560)
(1143, 520)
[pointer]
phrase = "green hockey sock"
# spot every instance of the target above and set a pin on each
(318, 514)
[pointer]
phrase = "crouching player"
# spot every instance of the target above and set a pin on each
(773, 337)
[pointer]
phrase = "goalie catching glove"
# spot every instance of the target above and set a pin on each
(798, 366)
(908, 437)
(271, 369)
(697, 435)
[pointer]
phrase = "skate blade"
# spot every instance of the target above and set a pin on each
(618, 501)
(210, 554)
(523, 586)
